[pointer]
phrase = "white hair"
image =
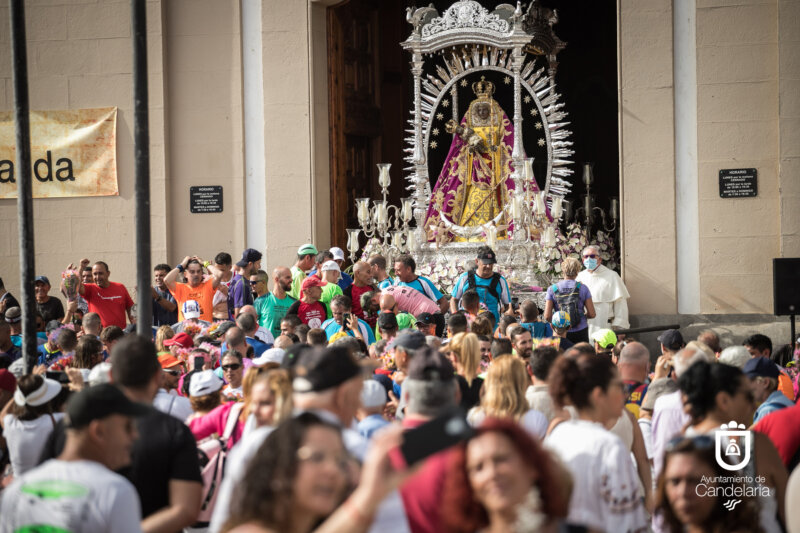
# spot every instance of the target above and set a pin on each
(689, 356)
(735, 356)
(591, 247)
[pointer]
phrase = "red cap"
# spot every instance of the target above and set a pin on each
(184, 340)
(311, 281)
(7, 380)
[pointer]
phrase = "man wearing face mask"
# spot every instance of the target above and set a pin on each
(609, 294)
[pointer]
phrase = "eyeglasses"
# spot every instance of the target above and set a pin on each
(172, 372)
(592, 256)
(234, 366)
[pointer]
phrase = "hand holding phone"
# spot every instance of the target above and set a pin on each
(444, 431)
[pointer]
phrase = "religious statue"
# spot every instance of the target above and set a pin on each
(474, 184)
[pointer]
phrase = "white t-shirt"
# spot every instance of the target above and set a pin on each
(172, 404)
(26, 439)
(605, 494)
(75, 496)
(533, 421)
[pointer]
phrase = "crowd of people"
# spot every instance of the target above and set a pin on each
(313, 399)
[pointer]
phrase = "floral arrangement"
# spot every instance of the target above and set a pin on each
(62, 363)
(70, 283)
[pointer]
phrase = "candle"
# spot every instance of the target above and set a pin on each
(539, 201)
(556, 208)
(407, 210)
(551, 236)
(383, 175)
(614, 210)
(362, 208)
(491, 236)
(411, 240)
(352, 240)
(516, 207)
(529, 169)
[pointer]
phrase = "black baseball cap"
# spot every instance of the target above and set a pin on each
(321, 369)
(425, 318)
(387, 321)
(98, 402)
(672, 339)
(42, 279)
(761, 367)
(486, 255)
(430, 365)
(250, 255)
(409, 339)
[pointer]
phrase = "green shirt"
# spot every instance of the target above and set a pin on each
(271, 311)
(297, 281)
(404, 321)
(329, 292)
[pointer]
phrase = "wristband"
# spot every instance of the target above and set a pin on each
(180, 267)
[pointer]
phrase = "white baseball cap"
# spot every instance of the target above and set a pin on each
(100, 373)
(373, 394)
(191, 309)
(273, 355)
(330, 266)
(203, 383)
(338, 253)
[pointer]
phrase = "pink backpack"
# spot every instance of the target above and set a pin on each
(212, 454)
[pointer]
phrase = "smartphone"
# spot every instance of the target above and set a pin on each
(346, 320)
(198, 363)
(434, 436)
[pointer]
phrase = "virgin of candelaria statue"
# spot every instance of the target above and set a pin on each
(475, 181)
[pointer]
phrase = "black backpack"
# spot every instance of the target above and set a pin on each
(492, 288)
(570, 302)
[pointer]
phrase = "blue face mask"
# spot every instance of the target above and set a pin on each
(590, 263)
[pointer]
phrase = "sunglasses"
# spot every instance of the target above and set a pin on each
(172, 372)
(700, 442)
(256, 282)
(234, 366)
(588, 256)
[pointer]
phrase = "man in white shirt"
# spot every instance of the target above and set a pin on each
(79, 491)
(609, 294)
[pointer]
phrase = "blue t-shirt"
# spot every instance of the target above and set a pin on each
(565, 286)
(385, 284)
(331, 328)
(482, 286)
(258, 346)
(239, 294)
(370, 425)
(423, 285)
(47, 358)
(539, 330)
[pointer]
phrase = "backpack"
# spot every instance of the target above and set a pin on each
(570, 302)
(212, 454)
(492, 288)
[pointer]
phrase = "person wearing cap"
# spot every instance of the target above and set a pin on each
(167, 399)
(426, 324)
(492, 287)
(308, 308)
(28, 419)
(13, 318)
(634, 366)
(763, 374)
(429, 390)
(604, 342)
(404, 269)
(239, 291)
(352, 325)
(609, 294)
(196, 288)
(560, 324)
(165, 308)
(370, 414)
(79, 490)
(403, 347)
(345, 281)
(387, 326)
(330, 274)
(306, 256)
(50, 308)
(191, 312)
(761, 346)
(205, 393)
(671, 342)
(327, 382)
(108, 299)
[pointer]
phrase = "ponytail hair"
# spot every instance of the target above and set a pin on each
(701, 382)
(572, 379)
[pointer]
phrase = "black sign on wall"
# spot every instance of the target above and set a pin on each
(738, 183)
(205, 199)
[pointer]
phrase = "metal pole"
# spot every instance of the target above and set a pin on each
(27, 265)
(141, 139)
(794, 339)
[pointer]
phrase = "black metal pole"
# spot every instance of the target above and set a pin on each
(141, 140)
(794, 339)
(27, 266)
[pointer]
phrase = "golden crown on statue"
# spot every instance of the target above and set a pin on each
(483, 88)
